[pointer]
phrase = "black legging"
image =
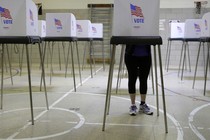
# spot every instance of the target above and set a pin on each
(137, 66)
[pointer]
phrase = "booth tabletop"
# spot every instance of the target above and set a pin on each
(59, 39)
(97, 39)
(175, 39)
(205, 39)
(85, 39)
(191, 39)
(19, 39)
(140, 40)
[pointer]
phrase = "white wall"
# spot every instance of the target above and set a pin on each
(82, 4)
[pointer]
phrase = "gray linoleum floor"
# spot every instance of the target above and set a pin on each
(79, 115)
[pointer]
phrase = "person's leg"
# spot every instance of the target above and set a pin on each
(132, 77)
(144, 69)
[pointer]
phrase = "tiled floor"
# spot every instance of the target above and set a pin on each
(79, 115)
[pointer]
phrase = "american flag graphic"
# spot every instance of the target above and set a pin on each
(79, 28)
(5, 13)
(31, 15)
(94, 30)
(179, 29)
(197, 27)
(206, 25)
(136, 11)
(58, 22)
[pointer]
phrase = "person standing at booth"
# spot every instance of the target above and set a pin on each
(138, 62)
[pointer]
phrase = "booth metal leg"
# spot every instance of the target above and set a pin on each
(44, 47)
(206, 72)
(184, 58)
(168, 55)
(188, 50)
(90, 50)
(163, 92)
(120, 67)
(72, 61)
(156, 81)
(196, 65)
(92, 56)
(21, 60)
(43, 74)
(80, 76)
(10, 67)
(109, 85)
(29, 81)
(51, 57)
(103, 55)
(151, 72)
(2, 75)
(180, 61)
(66, 58)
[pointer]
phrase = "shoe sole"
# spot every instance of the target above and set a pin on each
(150, 113)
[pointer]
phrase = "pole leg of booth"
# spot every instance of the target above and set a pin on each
(180, 61)
(51, 57)
(163, 92)
(90, 56)
(204, 58)
(156, 80)
(152, 76)
(66, 58)
(169, 54)
(167, 50)
(72, 61)
(120, 67)
(80, 76)
(103, 55)
(196, 65)
(29, 82)
(10, 66)
(184, 58)
(43, 74)
(109, 85)
(21, 60)
(59, 55)
(2, 75)
(206, 72)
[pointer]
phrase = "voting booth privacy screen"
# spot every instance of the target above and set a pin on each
(206, 25)
(84, 29)
(42, 28)
(18, 18)
(97, 30)
(177, 30)
(136, 18)
(61, 25)
(193, 28)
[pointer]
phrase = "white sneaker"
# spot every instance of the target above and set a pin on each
(145, 109)
(133, 110)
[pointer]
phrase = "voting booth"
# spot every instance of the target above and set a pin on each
(177, 30)
(136, 18)
(84, 29)
(18, 18)
(19, 25)
(205, 28)
(61, 25)
(97, 30)
(135, 22)
(205, 38)
(193, 28)
(42, 28)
